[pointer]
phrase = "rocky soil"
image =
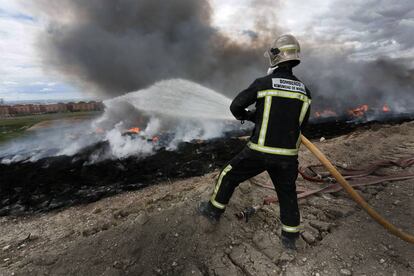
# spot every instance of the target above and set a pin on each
(155, 231)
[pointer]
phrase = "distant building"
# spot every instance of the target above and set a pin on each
(28, 109)
(54, 108)
(85, 106)
(21, 109)
(35, 109)
(5, 111)
(62, 107)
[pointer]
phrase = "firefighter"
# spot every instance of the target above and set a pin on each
(282, 104)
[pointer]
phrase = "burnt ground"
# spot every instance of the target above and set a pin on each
(155, 231)
(60, 181)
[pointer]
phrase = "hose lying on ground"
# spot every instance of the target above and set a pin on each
(354, 195)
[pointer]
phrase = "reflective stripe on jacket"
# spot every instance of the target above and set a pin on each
(282, 110)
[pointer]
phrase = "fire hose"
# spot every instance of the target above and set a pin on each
(344, 184)
(354, 194)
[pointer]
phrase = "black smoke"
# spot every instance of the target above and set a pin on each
(339, 84)
(361, 52)
(115, 46)
(124, 45)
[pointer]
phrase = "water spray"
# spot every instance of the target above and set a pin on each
(178, 109)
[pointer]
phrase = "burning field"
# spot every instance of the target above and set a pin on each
(125, 186)
(140, 141)
(116, 194)
(155, 231)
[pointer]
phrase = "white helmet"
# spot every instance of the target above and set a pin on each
(284, 48)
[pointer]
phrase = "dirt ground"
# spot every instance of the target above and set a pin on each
(155, 231)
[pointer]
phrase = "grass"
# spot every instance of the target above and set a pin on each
(14, 127)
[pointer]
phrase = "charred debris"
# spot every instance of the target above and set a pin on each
(55, 182)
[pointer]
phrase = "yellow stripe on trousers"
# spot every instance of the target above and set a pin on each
(290, 229)
(216, 189)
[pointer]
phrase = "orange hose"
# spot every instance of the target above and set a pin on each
(354, 195)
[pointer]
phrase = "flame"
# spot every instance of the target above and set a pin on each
(134, 130)
(325, 113)
(99, 130)
(359, 111)
(386, 108)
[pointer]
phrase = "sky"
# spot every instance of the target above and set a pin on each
(365, 30)
(21, 74)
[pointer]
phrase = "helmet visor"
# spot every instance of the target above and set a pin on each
(290, 52)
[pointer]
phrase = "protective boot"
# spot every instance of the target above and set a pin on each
(207, 210)
(289, 243)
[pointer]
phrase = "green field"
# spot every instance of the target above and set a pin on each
(13, 127)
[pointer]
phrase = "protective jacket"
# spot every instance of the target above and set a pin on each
(282, 110)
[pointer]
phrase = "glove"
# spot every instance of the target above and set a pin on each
(248, 116)
(251, 116)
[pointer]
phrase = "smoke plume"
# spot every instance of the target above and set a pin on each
(121, 46)
(353, 53)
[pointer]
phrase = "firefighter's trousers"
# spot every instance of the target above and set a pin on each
(282, 170)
